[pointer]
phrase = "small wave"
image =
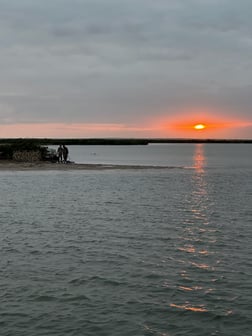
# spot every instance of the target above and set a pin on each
(44, 298)
(14, 314)
(96, 278)
(74, 298)
(78, 281)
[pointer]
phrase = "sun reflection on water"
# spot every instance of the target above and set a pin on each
(199, 159)
(199, 196)
(194, 243)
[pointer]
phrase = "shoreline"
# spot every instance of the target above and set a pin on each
(47, 166)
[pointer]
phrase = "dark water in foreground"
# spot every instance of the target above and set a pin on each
(150, 252)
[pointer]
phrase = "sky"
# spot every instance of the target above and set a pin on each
(126, 69)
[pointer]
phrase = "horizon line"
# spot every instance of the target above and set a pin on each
(134, 139)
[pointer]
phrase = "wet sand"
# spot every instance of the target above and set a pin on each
(16, 166)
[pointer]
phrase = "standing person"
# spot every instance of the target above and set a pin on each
(60, 154)
(65, 154)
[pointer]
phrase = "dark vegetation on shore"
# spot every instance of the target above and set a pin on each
(22, 142)
(25, 150)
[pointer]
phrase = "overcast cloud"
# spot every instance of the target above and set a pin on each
(115, 61)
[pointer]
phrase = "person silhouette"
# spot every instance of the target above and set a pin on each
(60, 154)
(65, 154)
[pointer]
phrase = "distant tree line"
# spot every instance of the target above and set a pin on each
(110, 141)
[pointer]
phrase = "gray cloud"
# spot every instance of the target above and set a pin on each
(121, 61)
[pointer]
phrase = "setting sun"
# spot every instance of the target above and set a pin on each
(199, 126)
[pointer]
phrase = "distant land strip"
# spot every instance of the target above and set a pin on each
(117, 141)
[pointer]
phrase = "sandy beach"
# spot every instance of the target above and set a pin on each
(19, 166)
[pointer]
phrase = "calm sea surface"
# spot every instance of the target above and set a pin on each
(163, 252)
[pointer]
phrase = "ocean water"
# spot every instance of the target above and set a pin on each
(171, 155)
(163, 252)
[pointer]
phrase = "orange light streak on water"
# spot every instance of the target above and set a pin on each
(202, 266)
(186, 307)
(186, 288)
(189, 249)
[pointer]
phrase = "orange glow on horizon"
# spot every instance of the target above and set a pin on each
(209, 122)
(177, 124)
(202, 123)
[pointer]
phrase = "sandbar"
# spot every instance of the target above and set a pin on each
(22, 166)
